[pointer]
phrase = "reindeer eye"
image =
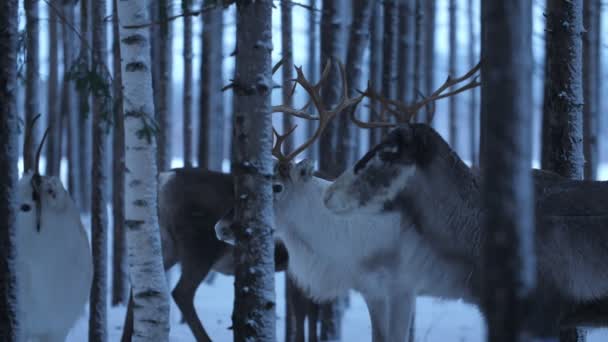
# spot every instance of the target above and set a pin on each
(276, 188)
(25, 207)
(390, 153)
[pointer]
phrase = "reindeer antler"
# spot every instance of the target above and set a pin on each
(403, 112)
(325, 114)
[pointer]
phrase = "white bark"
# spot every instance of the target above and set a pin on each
(150, 296)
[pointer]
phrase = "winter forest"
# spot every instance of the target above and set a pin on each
(303, 170)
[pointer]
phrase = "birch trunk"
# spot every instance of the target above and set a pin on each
(188, 83)
(120, 284)
(211, 133)
(163, 100)
(507, 184)
(562, 132)
(9, 325)
(53, 150)
(68, 96)
(453, 60)
(287, 68)
(254, 305)
(473, 110)
(591, 73)
(32, 77)
(150, 294)
(390, 50)
(375, 66)
(98, 317)
(420, 58)
(84, 122)
(429, 49)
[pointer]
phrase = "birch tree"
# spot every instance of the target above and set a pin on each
(254, 305)
(473, 111)
(68, 96)
(429, 48)
(562, 131)
(312, 70)
(211, 132)
(53, 151)
(32, 77)
(390, 49)
(162, 88)
(188, 83)
(453, 60)
(375, 64)
(8, 170)
(591, 75)
(98, 317)
(84, 122)
(507, 193)
(407, 35)
(419, 59)
(149, 288)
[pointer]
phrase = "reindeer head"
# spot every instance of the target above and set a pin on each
(38, 194)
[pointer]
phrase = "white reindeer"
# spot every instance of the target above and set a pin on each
(54, 266)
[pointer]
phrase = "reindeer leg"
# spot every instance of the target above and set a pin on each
(401, 316)
(378, 308)
(183, 294)
(312, 309)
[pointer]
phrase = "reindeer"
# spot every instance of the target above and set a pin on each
(54, 265)
(331, 254)
(415, 174)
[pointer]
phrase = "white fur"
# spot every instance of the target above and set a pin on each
(54, 265)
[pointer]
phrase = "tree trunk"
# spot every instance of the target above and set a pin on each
(163, 101)
(9, 325)
(419, 59)
(84, 122)
(211, 133)
(287, 68)
(375, 66)
(453, 60)
(188, 83)
(332, 48)
(562, 132)
(68, 96)
(407, 27)
(254, 304)
(506, 182)
(429, 49)
(390, 50)
(473, 110)
(120, 284)
(149, 286)
(313, 70)
(358, 41)
(591, 74)
(98, 318)
(32, 77)
(53, 150)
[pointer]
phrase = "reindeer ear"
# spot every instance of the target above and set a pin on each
(304, 170)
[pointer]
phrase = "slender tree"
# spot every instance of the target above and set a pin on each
(53, 151)
(419, 57)
(211, 132)
(162, 88)
(507, 262)
(375, 66)
(312, 72)
(407, 35)
(453, 60)
(32, 77)
(429, 47)
(149, 287)
(332, 48)
(119, 261)
(9, 327)
(591, 73)
(562, 148)
(84, 122)
(188, 83)
(473, 111)
(254, 305)
(287, 69)
(68, 96)
(562, 131)
(390, 49)
(98, 319)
